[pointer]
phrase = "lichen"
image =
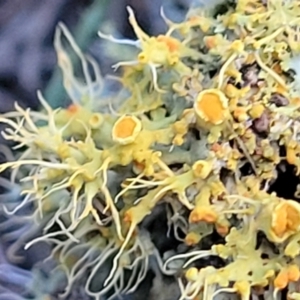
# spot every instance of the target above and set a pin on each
(205, 121)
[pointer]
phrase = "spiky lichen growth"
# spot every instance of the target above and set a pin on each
(211, 120)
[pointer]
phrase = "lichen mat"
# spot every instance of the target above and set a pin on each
(205, 121)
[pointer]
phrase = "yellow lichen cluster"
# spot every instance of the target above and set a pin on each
(211, 120)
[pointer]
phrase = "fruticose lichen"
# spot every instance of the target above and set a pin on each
(206, 120)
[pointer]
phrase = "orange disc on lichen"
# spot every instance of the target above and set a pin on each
(293, 217)
(73, 108)
(206, 214)
(279, 220)
(291, 156)
(215, 147)
(192, 238)
(172, 44)
(293, 273)
(210, 41)
(211, 106)
(126, 129)
(286, 218)
(281, 280)
(222, 230)
(128, 216)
